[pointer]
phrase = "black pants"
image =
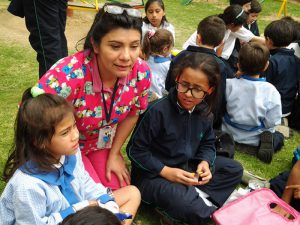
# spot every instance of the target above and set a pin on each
(46, 22)
(182, 202)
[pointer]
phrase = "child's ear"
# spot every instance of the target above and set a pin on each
(266, 66)
(199, 40)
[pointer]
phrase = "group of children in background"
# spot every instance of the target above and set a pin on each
(227, 78)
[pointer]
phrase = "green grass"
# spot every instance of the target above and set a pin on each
(19, 70)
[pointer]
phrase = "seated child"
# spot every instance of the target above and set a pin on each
(253, 106)
(284, 69)
(172, 149)
(46, 179)
(91, 215)
(251, 25)
(156, 18)
(210, 33)
(157, 48)
(253, 13)
(295, 45)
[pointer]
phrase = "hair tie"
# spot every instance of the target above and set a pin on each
(151, 33)
(241, 13)
(36, 91)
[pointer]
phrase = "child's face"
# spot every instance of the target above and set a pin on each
(193, 79)
(155, 14)
(65, 138)
(252, 17)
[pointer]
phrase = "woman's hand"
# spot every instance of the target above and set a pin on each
(204, 172)
(296, 190)
(179, 176)
(116, 164)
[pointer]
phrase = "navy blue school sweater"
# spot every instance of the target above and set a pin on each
(284, 72)
(168, 135)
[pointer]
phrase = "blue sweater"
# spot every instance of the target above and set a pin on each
(168, 135)
(284, 72)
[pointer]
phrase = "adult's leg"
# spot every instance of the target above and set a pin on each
(43, 21)
(99, 159)
(178, 201)
(228, 174)
(90, 169)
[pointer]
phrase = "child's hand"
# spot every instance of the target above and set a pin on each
(178, 176)
(296, 190)
(204, 172)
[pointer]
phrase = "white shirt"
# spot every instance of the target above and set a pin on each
(251, 103)
(296, 48)
(148, 27)
(159, 72)
(229, 40)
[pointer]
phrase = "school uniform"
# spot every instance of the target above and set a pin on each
(37, 198)
(253, 106)
(225, 73)
(165, 25)
(46, 21)
(168, 135)
(284, 72)
(159, 66)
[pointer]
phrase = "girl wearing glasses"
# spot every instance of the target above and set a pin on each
(107, 84)
(172, 149)
(156, 18)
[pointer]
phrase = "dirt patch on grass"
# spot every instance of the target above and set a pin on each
(13, 28)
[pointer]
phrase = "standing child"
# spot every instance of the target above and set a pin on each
(45, 174)
(172, 149)
(156, 17)
(253, 105)
(157, 48)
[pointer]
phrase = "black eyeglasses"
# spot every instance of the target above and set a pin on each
(196, 92)
(118, 10)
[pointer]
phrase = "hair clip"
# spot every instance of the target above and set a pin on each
(151, 33)
(36, 91)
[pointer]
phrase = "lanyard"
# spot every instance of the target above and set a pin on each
(108, 113)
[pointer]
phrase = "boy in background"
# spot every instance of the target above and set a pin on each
(253, 106)
(284, 69)
(210, 33)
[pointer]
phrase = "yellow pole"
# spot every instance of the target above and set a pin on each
(283, 8)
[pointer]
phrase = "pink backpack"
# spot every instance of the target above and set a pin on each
(255, 209)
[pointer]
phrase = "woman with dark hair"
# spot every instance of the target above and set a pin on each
(107, 84)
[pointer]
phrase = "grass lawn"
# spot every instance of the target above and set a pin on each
(19, 70)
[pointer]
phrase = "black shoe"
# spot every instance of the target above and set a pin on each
(266, 151)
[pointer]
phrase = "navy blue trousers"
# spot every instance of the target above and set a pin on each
(182, 202)
(46, 21)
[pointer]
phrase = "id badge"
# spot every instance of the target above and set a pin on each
(106, 136)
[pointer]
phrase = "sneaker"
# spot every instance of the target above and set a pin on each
(265, 151)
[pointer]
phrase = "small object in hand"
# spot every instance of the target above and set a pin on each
(197, 176)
